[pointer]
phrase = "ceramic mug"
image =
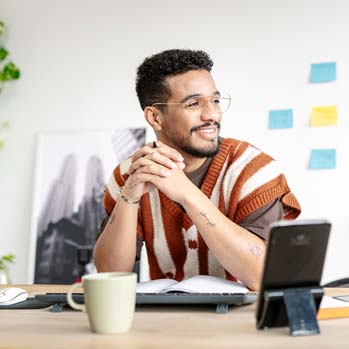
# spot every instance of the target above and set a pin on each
(110, 300)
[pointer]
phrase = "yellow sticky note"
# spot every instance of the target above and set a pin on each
(324, 116)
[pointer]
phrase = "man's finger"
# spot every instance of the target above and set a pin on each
(161, 148)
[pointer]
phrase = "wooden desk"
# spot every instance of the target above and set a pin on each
(160, 327)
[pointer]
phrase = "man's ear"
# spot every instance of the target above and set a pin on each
(153, 117)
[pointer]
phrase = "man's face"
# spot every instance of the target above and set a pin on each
(194, 132)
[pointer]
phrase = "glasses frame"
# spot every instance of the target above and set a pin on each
(223, 96)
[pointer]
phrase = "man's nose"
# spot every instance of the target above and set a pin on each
(210, 112)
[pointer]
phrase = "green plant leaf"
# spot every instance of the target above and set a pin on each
(9, 258)
(5, 124)
(10, 72)
(3, 53)
(2, 145)
(2, 28)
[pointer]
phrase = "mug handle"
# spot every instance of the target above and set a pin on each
(70, 299)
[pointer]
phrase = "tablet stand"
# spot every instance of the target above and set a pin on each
(293, 307)
(222, 308)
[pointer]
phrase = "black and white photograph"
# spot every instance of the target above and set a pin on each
(71, 175)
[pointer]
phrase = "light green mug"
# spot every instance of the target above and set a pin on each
(110, 300)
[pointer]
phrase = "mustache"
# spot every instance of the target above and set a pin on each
(207, 124)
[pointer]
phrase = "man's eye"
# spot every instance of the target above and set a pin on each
(216, 101)
(193, 104)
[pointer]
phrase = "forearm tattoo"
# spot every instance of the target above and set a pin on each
(204, 214)
(256, 250)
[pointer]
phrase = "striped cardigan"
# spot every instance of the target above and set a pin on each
(240, 180)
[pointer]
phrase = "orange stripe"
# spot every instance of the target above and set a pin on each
(139, 222)
(250, 169)
(108, 202)
(261, 196)
(120, 180)
(293, 206)
(230, 277)
(240, 148)
(203, 256)
(175, 241)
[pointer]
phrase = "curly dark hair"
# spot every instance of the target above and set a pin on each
(151, 74)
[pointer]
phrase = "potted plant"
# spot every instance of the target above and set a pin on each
(8, 72)
(5, 261)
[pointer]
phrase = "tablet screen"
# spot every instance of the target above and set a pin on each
(294, 258)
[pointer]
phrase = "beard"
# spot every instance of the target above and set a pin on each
(185, 144)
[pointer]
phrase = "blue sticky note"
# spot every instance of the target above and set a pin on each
(282, 118)
(322, 159)
(323, 72)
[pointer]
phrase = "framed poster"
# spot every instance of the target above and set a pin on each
(72, 171)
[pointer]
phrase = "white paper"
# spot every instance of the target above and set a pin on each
(154, 286)
(195, 284)
(330, 302)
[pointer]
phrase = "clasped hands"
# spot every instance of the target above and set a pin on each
(160, 167)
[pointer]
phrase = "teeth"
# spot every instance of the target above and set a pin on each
(206, 130)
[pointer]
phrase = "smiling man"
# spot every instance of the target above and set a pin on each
(201, 203)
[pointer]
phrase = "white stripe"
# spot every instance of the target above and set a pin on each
(234, 171)
(218, 184)
(113, 187)
(125, 165)
(262, 176)
(161, 249)
(191, 265)
(192, 233)
(214, 267)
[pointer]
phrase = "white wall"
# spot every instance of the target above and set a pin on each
(79, 57)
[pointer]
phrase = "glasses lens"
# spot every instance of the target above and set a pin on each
(221, 104)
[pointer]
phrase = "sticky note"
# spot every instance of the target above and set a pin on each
(323, 72)
(282, 118)
(322, 159)
(324, 116)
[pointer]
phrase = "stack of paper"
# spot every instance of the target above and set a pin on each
(331, 308)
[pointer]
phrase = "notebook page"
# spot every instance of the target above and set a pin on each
(207, 284)
(154, 286)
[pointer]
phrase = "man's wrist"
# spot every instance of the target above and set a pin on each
(127, 198)
(192, 199)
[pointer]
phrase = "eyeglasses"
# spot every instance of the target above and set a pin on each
(197, 104)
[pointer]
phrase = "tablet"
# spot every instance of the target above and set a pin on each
(294, 259)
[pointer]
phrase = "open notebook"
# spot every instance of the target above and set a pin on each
(196, 284)
(200, 289)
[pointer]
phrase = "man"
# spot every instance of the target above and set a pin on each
(201, 204)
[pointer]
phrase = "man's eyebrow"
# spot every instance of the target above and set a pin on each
(216, 93)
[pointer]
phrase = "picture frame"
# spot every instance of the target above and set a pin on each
(72, 170)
